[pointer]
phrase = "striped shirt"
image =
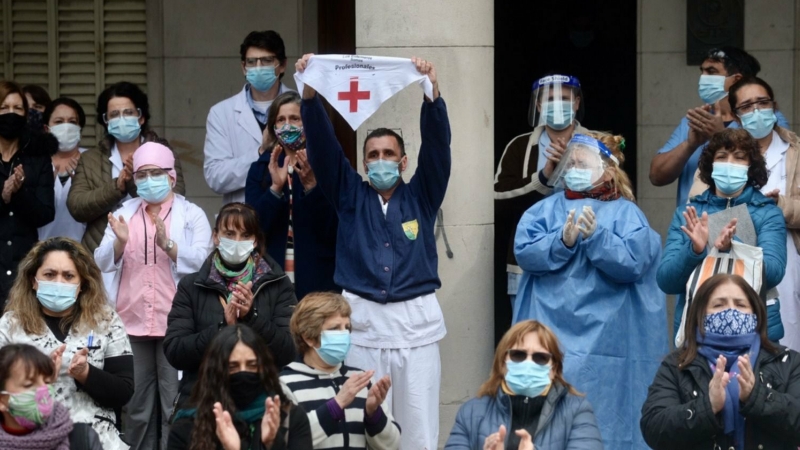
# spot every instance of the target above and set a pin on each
(332, 428)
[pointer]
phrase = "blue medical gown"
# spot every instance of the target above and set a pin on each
(601, 299)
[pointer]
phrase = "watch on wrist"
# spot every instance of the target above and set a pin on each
(170, 244)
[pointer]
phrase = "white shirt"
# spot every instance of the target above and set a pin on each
(63, 224)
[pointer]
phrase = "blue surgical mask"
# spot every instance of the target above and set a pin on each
(712, 88)
(730, 322)
(729, 177)
(561, 120)
(261, 77)
(56, 296)
(527, 378)
(153, 190)
(334, 345)
(578, 180)
(759, 123)
(383, 174)
(124, 129)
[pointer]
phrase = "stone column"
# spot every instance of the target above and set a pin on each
(458, 37)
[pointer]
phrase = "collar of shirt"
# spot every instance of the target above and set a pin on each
(116, 160)
(261, 114)
(776, 151)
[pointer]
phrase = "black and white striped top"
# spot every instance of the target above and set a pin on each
(313, 389)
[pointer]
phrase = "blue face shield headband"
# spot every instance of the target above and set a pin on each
(553, 101)
(580, 178)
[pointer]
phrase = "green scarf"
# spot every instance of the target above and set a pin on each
(232, 277)
(254, 412)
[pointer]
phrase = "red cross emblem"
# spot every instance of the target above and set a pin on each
(354, 95)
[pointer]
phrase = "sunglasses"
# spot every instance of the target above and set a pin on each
(540, 358)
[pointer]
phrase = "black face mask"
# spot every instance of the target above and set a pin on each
(11, 125)
(245, 387)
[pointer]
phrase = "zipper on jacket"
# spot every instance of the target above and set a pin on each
(729, 203)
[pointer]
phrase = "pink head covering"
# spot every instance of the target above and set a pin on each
(153, 153)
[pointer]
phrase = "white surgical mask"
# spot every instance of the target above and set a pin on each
(68, 135)
(235, 252)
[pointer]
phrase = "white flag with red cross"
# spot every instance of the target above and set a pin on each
(356, 85)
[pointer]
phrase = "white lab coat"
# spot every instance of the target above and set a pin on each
(232, 140)
(63, 225)
(188, 228)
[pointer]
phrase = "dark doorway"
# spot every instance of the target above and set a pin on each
(337, 35)
(591, 39)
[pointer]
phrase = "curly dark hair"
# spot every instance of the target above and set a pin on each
(734, 139)
(213, 381)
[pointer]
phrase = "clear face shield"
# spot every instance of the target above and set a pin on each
(583, 164)
(555, 102)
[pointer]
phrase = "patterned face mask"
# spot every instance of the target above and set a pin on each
(32, 408)
(730, 322)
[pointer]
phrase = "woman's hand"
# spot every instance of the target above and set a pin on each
(57, 356)
(746, 378)
(161, 232)
(303, 168)
(377, 394)
(79, 366)
(496, 441)
(716, 388)
(278, 173)
(226, 432)
(587, 223)
(243, 297)
(723, 242)
(553, 153)
(271, 421)
(125, 175)
(525, 440)
(351, 388)
(13, 183)
(696, 228)
(119, 227)
(570, 233)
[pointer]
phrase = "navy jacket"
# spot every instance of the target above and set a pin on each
(392, 258)
(314, 224)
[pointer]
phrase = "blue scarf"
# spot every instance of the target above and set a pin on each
(251, 414)
(731, 347)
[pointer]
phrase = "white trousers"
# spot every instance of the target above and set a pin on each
(413, 399)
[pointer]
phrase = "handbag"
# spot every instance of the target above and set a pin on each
(746, 261)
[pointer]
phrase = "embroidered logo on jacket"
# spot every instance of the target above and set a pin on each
(411, 229)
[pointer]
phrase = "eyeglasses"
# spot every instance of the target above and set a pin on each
(540, 358)
(264, 61)
(111, 115)
(140, 175)
(764, 103)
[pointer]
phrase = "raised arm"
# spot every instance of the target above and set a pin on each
(335, 176)
(670, 160)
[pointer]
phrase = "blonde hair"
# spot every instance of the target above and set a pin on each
(515, 336)
(311, 313)
(615, 143)
(91, 305)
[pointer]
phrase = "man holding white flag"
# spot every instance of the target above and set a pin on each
(386, 257)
